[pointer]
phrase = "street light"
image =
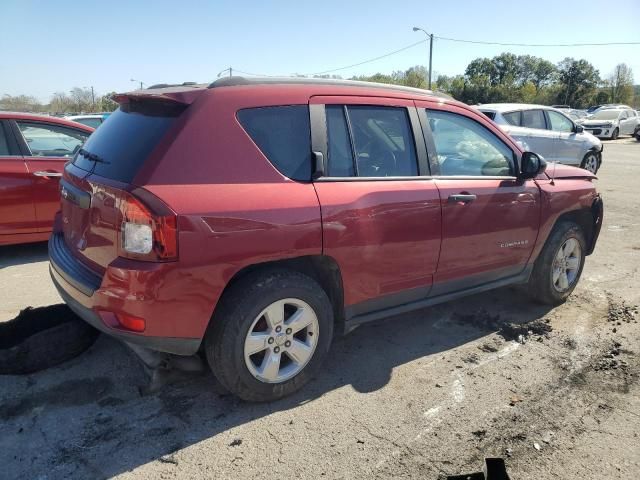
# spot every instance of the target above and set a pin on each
(141, 83)
(430, 35)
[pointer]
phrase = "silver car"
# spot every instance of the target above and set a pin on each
(611, 122)
(548, 132)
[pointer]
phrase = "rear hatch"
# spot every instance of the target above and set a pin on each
(98, 186)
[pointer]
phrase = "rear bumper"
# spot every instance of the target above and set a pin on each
(85, 293)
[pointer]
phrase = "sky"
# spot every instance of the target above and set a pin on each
(52, 46)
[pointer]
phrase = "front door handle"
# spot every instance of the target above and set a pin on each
(43, 173)
(462, 198)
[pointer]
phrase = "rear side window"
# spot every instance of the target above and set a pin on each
(125, 139)
(379, 137)
(491, 115)
(4, 145)
(283, 135)
(512, 118)
(90, 122)
(533, 119)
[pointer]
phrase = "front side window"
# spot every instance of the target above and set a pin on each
(379, 139)
(533, 119)
(283, 135)
(559, 123)
(46, 140)
(464, 147)
(512, 118)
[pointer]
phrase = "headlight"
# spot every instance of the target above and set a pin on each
(607, 125)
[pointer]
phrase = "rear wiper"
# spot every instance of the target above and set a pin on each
(92, 156)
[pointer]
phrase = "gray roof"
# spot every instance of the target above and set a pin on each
(238, 81)
(508, 107)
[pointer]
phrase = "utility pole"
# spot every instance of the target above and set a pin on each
(430, 35)
(141, 83)
(230, 70)
(93, 99)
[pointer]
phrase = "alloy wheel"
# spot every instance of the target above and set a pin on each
(281, 340)
(566, 265)
(591, 163)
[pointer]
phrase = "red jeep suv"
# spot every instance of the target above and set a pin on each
(250, 219)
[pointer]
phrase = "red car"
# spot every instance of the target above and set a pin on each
(252, 219)
(33, 151)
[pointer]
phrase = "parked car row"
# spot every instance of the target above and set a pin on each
(548, 132)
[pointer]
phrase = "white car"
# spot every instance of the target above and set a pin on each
(548, 132)
(91, 120)
(612, 122)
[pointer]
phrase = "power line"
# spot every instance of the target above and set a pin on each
(460, 40)
(370, 60)
(480, 42)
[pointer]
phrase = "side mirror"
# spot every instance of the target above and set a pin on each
(579, 129)
(531, 165)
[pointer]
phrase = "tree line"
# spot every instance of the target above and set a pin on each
(503, 78)
(526, 79)
(77, 100)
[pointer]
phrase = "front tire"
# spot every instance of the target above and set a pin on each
(590, 162)
(559, 266)
(614, 135)
(269, 335)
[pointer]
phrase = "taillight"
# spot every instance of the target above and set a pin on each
(148, 230)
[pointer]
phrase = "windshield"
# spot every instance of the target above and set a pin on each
(606, 115)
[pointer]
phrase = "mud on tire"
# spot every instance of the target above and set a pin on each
(541, 287)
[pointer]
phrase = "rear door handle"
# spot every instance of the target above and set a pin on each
(462, 198)
(43, 173)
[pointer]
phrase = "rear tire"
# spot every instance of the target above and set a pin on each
(559, 266)
(262, 312)
(590, 162)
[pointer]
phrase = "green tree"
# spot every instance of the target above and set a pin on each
(106, 104)
(621, 82)
(578, 80)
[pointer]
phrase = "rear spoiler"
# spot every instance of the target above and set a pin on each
(176, 95)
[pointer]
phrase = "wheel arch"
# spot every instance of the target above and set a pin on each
(322, 268)
(588, 219)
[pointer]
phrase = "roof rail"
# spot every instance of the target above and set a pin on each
(236, 81)
(167, 85)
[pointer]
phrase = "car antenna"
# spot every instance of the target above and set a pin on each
(553, 175)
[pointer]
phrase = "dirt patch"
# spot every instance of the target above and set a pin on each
(539, 328)
(620, 312)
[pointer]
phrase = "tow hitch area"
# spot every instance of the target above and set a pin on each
(494, 469)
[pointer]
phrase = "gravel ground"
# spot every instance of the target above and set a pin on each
(425, 395)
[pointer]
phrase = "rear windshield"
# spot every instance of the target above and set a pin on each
(118, 149)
